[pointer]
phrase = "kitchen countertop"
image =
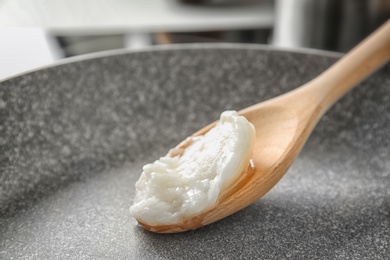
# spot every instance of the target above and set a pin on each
(91, 17)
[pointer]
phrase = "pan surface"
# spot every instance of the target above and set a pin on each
(73, 139)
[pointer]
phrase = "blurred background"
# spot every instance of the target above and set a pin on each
(41, 32)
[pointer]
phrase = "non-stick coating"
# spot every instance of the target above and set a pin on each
(73, 139)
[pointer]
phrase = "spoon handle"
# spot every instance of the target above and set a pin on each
(346, 73)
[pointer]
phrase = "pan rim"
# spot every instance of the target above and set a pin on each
(177, 47)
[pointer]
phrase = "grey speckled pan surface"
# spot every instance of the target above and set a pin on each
(73, 139)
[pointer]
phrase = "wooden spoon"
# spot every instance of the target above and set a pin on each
(283, 124)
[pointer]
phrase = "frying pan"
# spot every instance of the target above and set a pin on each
(74, 138)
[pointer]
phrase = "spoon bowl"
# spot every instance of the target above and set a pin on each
(283, 124)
